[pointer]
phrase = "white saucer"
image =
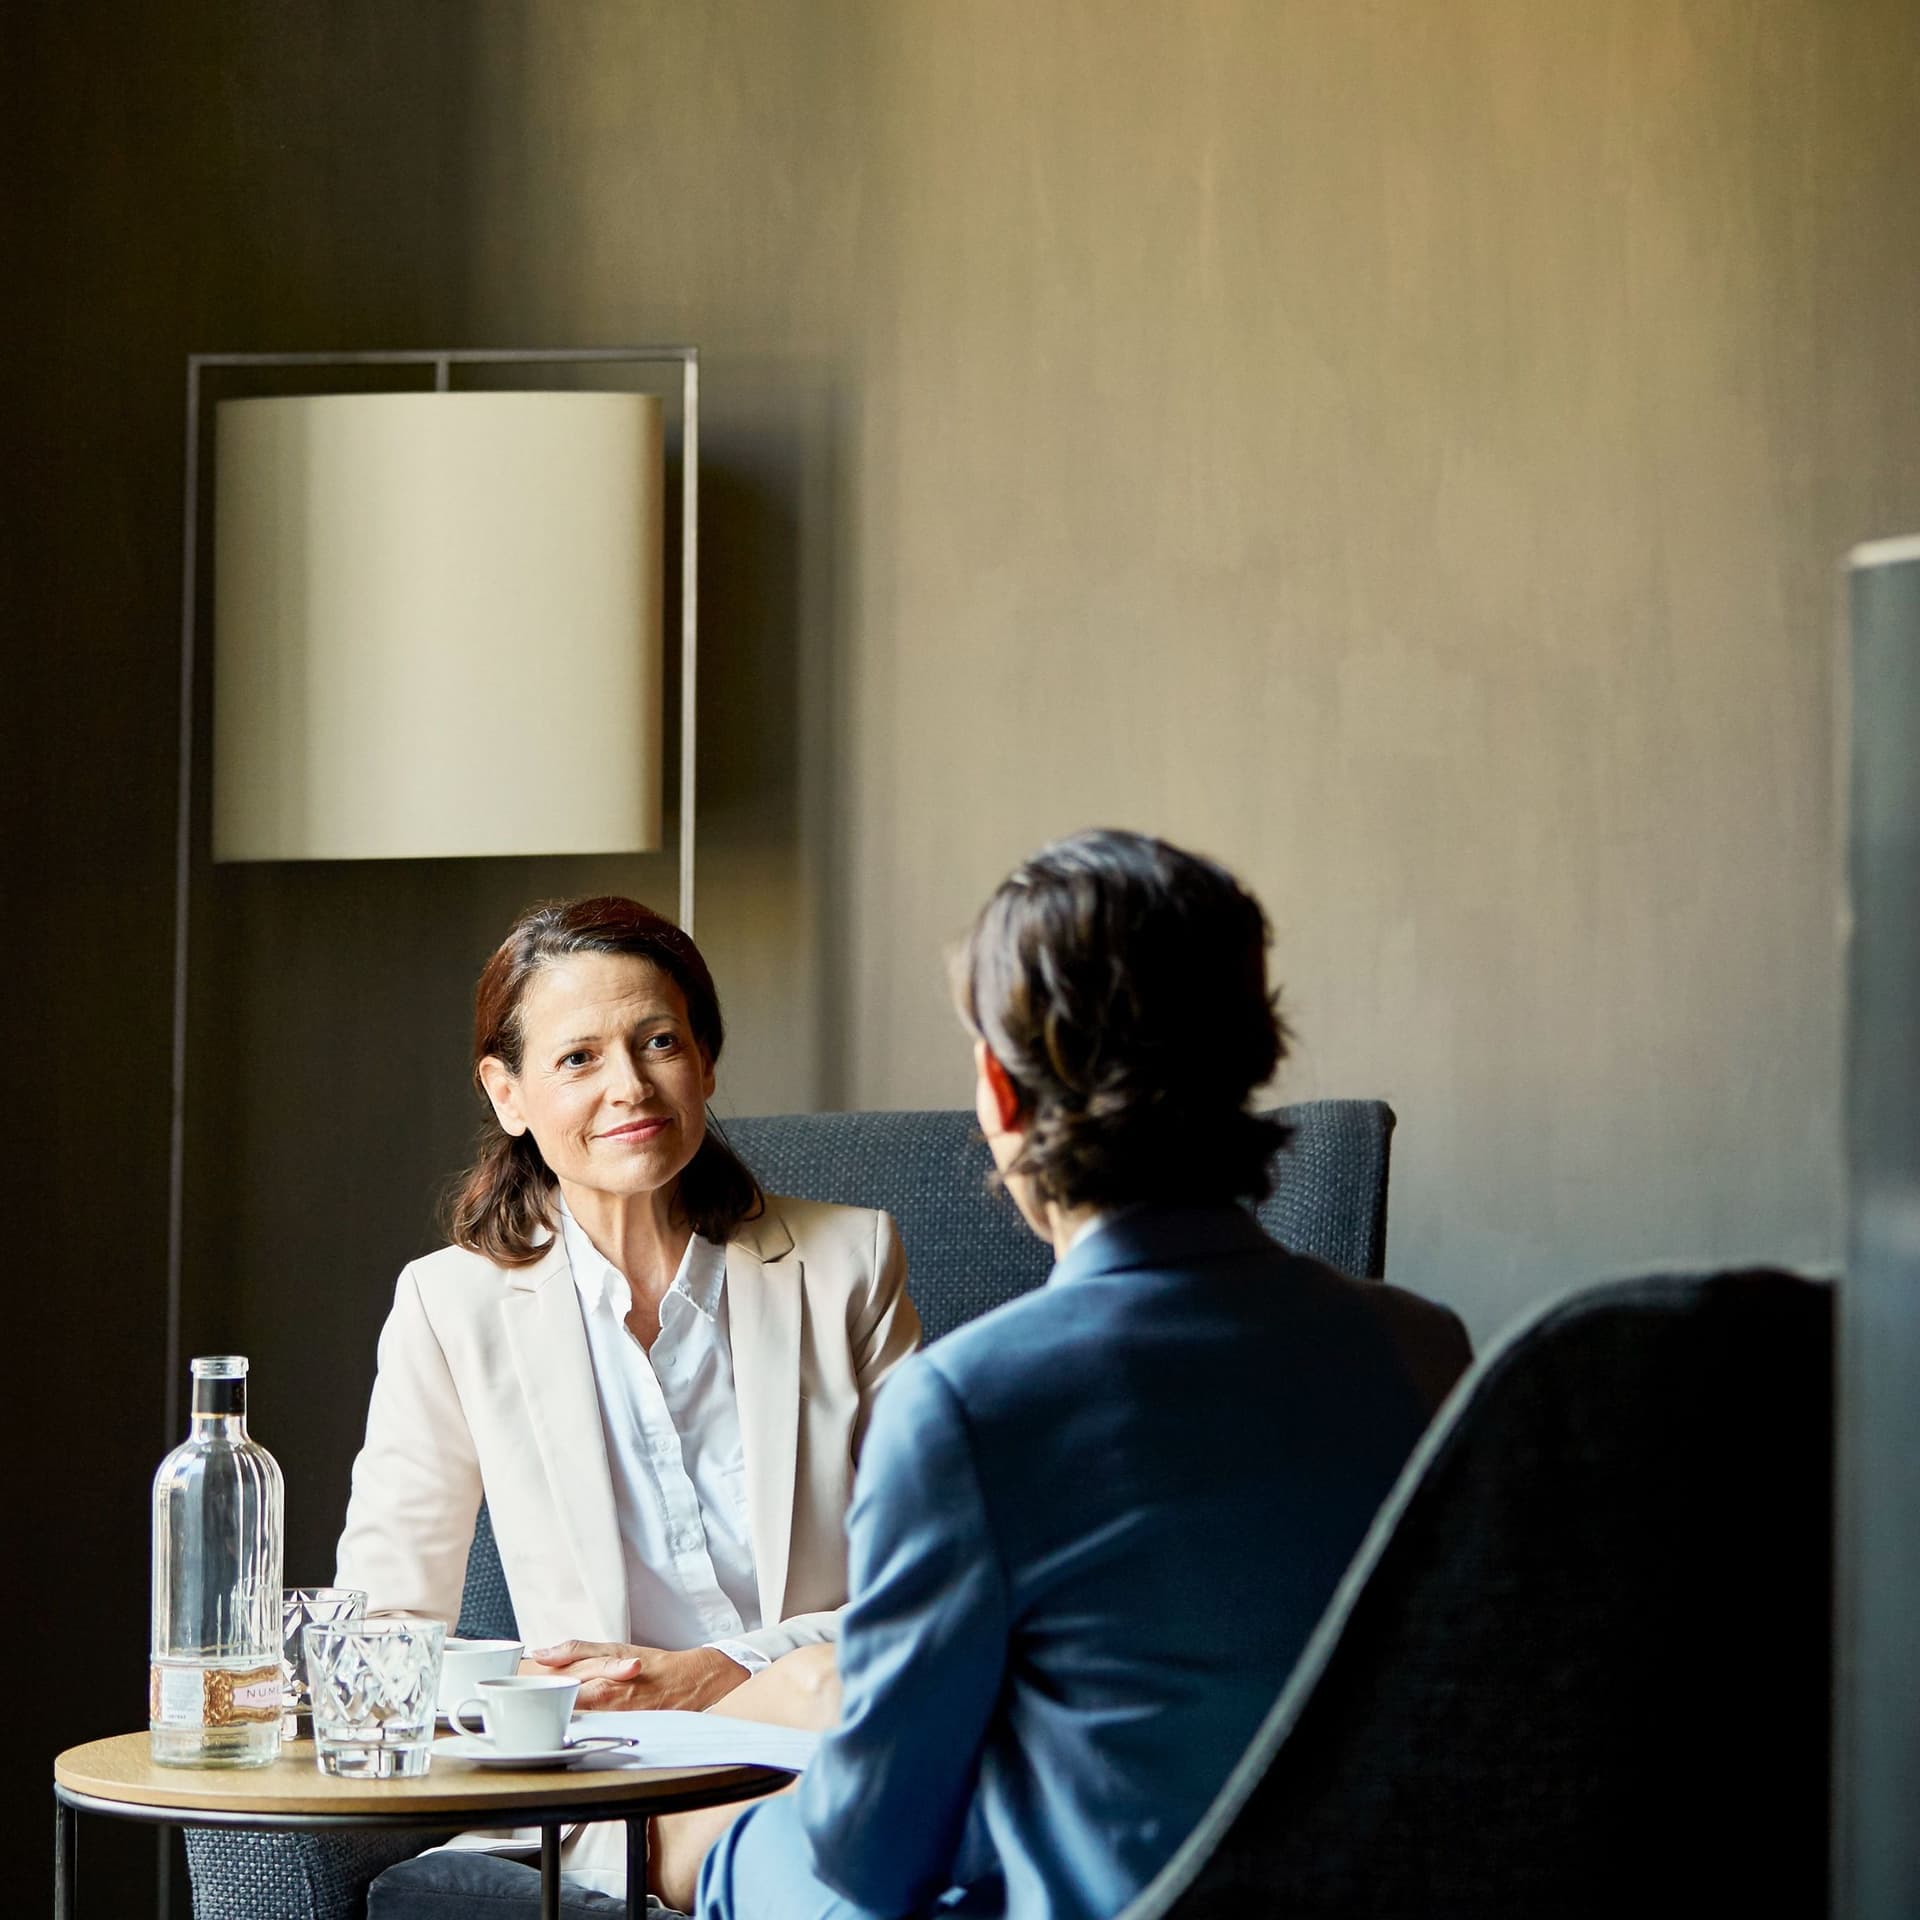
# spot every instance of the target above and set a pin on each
(478, 1751)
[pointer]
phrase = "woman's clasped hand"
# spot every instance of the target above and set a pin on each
(616, 1678)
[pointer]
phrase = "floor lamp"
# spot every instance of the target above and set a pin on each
(387, 566)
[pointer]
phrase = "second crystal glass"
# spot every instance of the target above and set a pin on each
(374, 1685)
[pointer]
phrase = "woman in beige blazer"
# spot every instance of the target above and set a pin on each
(625, 1418)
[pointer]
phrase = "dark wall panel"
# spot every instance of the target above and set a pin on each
(1878, 1657)
(177, 180)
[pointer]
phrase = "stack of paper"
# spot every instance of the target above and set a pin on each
(699, 1740)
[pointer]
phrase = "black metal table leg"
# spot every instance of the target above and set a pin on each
(636, 1865)
(66, 1858)
(549, 1873)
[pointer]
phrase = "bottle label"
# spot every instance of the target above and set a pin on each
(183, 1696)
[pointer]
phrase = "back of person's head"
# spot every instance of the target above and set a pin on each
(1122, 985)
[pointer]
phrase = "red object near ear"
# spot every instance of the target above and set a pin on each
(1006, 1100)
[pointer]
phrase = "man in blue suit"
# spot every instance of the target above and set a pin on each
(1093, 1530)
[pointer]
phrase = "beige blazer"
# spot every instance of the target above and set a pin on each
(485, 1383)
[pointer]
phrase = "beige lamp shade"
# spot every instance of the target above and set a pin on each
(436, 625)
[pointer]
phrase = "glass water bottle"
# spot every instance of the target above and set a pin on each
(214, 1686)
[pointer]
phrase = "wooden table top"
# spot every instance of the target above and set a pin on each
(120, 1770)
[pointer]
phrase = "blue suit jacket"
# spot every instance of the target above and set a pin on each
(1091, 1533)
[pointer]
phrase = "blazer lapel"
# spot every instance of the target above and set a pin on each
(763, 1312)
(549, 1343)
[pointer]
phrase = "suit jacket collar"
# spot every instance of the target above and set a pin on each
(767, 1238)
(1161, 1237)
(552, 1261)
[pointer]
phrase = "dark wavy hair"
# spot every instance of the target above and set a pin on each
(502, 1206)
(1122, 984)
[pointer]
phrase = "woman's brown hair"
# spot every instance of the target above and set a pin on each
(502, 1206)
(1122, 984)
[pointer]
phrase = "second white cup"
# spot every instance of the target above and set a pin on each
(465, 1663)
(522, 1713)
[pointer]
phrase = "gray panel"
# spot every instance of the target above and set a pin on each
(1877, 1753)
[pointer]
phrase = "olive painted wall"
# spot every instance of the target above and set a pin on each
(1403, 451)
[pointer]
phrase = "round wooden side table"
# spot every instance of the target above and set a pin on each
(116, 1777)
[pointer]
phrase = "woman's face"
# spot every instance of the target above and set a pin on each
(612, 1084)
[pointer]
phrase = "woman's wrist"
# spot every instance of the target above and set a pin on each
(711, 1676)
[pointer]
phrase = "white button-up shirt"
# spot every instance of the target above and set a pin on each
(672, 1427)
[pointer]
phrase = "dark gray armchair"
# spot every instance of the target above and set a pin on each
(967, 1251)
(1580, 1666)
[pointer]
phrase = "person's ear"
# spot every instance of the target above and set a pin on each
(504, 1092)
(999, 1098)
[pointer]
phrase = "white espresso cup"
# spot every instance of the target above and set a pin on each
(523, 1713)
(465, 1663)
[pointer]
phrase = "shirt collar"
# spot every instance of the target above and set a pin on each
(701, 1279)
